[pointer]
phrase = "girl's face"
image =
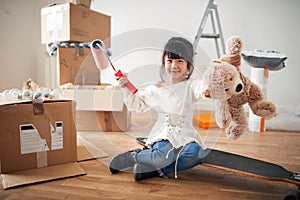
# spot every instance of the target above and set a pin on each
(176, 69)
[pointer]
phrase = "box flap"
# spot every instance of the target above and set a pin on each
(53, 9)
(41, 174)
(4, 101)
(96, 98)
(76, 23)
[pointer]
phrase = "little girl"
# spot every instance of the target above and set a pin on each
(173, 143)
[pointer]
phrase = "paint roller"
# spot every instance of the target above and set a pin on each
(102, 61)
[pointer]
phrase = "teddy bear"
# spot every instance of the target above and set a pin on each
(231, 90)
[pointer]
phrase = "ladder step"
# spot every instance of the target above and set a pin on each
(210, 35)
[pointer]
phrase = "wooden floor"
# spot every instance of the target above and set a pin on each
(198, 183)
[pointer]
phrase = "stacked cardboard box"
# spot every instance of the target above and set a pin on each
(77, 66)
(73, 23)
(39, 140)
(99, 108)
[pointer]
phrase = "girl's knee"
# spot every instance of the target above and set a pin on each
(162, 159)
(194, 154)
(194, 149)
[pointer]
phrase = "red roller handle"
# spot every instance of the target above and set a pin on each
(129, 85)
(102, 61)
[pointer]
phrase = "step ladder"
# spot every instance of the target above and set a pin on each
(217, 35)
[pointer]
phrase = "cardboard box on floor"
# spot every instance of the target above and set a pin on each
(73, 23)
(77, 66)
(99, 108)
(38, 142)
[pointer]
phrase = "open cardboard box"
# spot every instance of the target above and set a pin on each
(99, 108)
(38, 142)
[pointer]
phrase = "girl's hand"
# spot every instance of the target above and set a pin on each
(234, 59)
(122, 80)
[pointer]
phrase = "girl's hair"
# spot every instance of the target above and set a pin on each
(178, 48)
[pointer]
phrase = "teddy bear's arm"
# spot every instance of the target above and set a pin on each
(255, 93)
(258, 104)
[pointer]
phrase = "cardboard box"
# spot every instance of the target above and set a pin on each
(99, 108)
(74, 23)
(77, 66)
(107, 121)
(38, 175)
(38, 142)
(33, 140)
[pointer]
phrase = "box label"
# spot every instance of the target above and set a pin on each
(30, 140)
(54, 22)
(41, 159)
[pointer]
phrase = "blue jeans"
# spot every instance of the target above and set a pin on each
(163, 156)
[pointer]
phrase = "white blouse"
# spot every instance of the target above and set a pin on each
(174, 107)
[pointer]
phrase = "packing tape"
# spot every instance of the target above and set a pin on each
(41, 159)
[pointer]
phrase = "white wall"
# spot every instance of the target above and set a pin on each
(267, 25)
(22, 54)
(18, 29)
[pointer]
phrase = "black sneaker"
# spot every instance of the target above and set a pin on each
(121, 162)
(141, 172)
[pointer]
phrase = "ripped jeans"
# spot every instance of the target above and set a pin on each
(163, 156)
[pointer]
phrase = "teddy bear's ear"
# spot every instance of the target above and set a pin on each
(234, 45)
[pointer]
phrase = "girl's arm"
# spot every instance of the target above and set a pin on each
(134, 102)
(234, 59)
